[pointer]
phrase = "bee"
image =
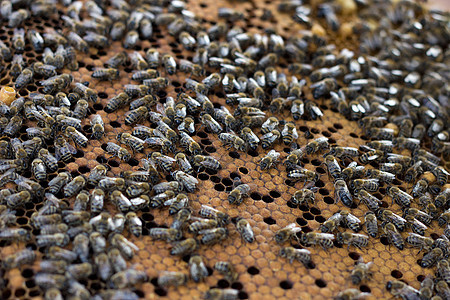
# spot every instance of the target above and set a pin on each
(213, 235)
(135, 143)
(125, 247)
(165, 234)
(419, 215)
(401, 198)
(18, 259)
(177, 203)
(231, 140)
(360, 272)
(18, 40)
(134, 224)
(76, 136)
(104, 265)
(86, 92)
(126, 278)
(350, 220)
(325, 240)
(352, 239)
(17, 65)
(442, 198)
(341, 193)
(181, 218)
(393, 235)
(75, 186)
(250, 137)
(286, 233)
(134, 116)
(53, 266)
(57, 239)
(120, 200)
(323, 87)
(111, 183)
(332, 223)
(245, 230)
(370, 201)
(117, 60)
(431, 258)
(187, 125)
(333, 167)
(443, 270)
(441, 175)
(416, 226)
(301, 255)
(406, 143)
(211, 124)
(104, 74)
(18, 199)
(39, 170)
(294, 157)
(197, 268)
(394, 168)
(170, 64)
(167, 279)
(270, 160)
(80, 271)
(419, 241)
(370, 185)
(318, 144)
(217, 294)
(97, 200)
(117, 102)
(371, 156)
(443, 289)
(303, 197)
(289, 133)
(207, 162)
(226, 269)
(50, 281)
(166, 186)
(63, 150)
(97, 174)
(211, 213)
(269, 139)
(118, 151)
(189, 67)
(14, 234)
(269, 125)
(302, 174)
(24, 78)
(56, 184)
(163, 161)
(351, 294)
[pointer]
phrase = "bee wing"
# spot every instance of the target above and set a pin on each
(209, 208)
(170, 201)
(292, 226)
(71, 148)
(352, 218)
(328, 236)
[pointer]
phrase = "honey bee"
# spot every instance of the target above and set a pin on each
(39, 170)
(303, 174)
(120, 200)
(370, 185)
(325, 240)
(125, 247)
(301, 255)
(231, 140)
(75, 186)
(117, 60)
(76, 136)
(226, 269)
(167, 279)
(56, 184)
(250, 137)
(370, 201)
(197, 268)
(189, 67)
(166, 186)
(401, 198)
(111, 183)
(431, 258)
(18, 259)
(170, 64)
(269, 125)
(318, 144)
(442, 198)
(213, 236)
(24, 78)
(57, 239)
(211, 124)
(207, 162)
(50, 281)
(118, 151)
(350, 221)
(360, 272)
(333, 167)
(443, 270)
(303, 197)
(134, 223)
(393, 236)
(105, 74)
(217, 294)
(177, 203)
(419, 241)
(211, 213)
(443, 289)
(165, 234)
(80, 271)
(116, 102)
(269, 139)
(184, 247)
(394, 168)
(341, 193)
(270, 160)
(14, 234)
(352, 239)
(245, 230)
(118, 262)
(286, 233)
(85, 92)
(127, 278)
(441, 175)
(332, 223)
(63, 150)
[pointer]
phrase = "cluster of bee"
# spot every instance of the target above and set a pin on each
(398, 100)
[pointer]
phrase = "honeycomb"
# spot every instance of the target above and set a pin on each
(262, 273)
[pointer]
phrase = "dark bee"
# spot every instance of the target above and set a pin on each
(231, 140)
(333, 167)
(167, 279)
(286, 233)
(269, 139)
(105, 74)
(431, 258)
(169, 64)
(342, 193)
(117, 60)
(350, 221)
(371, 156)
(394, 236)
(352, 239)
(24, 78)
(318, 144)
